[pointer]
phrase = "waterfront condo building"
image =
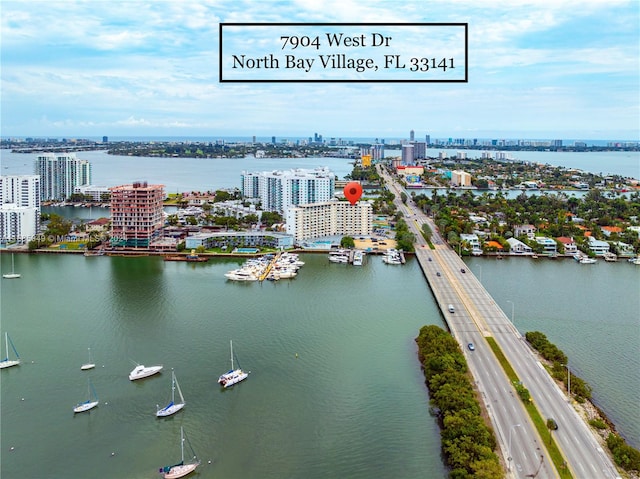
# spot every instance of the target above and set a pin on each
(329, 218)
(136, 214)
(279, 190)
(19, 208)
(460, 178)
(60, 174)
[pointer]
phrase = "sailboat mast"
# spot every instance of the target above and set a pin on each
(6, 344)
(182, 444)
(231, 345)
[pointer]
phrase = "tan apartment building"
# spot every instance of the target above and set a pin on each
(329, 218)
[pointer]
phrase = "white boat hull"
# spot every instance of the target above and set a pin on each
(232, 377)
(169, 410)
(8, 364)
(180, 471)
(84, 367)
(85, 406)
(11, 276)
(144, 372)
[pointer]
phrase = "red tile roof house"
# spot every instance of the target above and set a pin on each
(570, 246)
(609, 230)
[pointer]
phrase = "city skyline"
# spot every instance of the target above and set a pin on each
(537, 70)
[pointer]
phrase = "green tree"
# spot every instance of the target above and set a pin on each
(347, 242)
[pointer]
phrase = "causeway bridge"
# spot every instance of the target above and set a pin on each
(476, 316)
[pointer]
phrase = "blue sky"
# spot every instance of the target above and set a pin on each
(541, 69)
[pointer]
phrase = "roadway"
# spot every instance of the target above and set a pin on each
(476, 316)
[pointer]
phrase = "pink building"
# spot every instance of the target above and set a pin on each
(136, 214)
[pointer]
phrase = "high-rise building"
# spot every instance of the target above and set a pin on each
(329, 218)
(377, 152)
(427, 139)
(19, 208)
(136, 214)
(407, 155)
(419, 149)
(412, 135)
(60, 174)
(278, 190)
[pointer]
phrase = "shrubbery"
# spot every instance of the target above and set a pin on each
(467, 442)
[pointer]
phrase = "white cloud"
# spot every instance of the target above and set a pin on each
(95, 65)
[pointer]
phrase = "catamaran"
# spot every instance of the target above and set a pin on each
(181, 469)
(173, 407)
(233, 376)
(142, 371)
(6, 362)
(90, 403)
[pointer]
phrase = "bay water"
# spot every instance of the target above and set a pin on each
(335, 388)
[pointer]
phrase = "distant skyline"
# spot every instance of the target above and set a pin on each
(544, 69)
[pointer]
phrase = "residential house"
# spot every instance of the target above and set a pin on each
(518, 247)
(570, 246)
(523, 230)
(598, 247)
(549, 246)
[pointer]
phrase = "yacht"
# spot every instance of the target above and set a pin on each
(587, 260)
(358, 257)
(141, 371)
(241, 275)
(391, 256)
(338, 258)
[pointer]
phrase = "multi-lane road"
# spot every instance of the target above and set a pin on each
(476, 316)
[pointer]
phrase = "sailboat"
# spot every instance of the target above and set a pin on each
(13, 274)
(6, 362)
(181, 469)
(172, 407)
(233, 376)
(90, 364)
(90, 403)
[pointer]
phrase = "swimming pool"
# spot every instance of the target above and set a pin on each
(246, 250)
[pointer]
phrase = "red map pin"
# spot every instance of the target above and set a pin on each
(353, 192)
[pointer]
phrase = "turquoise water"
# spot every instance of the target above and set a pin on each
(246, 250)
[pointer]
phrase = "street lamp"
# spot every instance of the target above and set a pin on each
(510, 458)
(513, 308)
(568, 382)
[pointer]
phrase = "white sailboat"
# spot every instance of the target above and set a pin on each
(233, 376)
(13, 274)
(6, 362)
(181, 469)
(90, 364)
(173, 407)
(90, 403)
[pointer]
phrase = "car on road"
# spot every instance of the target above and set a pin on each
(463, 270)
(429, 258)
(471, 347)
(438, 273)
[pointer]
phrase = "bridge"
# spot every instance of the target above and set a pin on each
(475, 317)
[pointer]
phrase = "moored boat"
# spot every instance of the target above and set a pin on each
(142, 371)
